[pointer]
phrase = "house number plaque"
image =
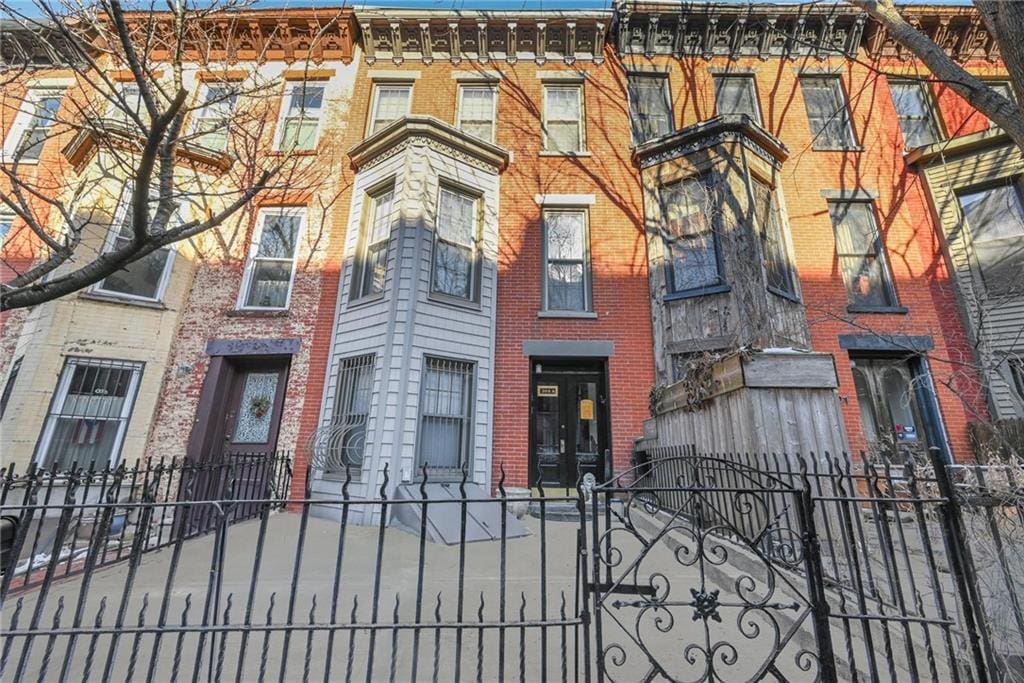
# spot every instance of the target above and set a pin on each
(547, 390)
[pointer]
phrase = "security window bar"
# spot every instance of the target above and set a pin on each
(1006, 90)
(827, 112)
(688, 236)
(302, 110)
(12, 377)
(271, 267)
(737, 95)
(915, 113)
(33, 125)
(771, 227)
(650, 106)
(563, 118)
(477, 110)
(144, 279)
(372, 251)
(995, 219)
(446, 403)
(567, 272)
(351, 412)
(390, 103)
(455, 245)
(212, 120)
(860, 253)
(89, 413)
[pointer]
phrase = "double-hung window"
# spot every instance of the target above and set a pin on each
(995, 218)
(456, 233)
(827, 112)
(566, 271)
(649, 106)
(737, 95)
(446, 409)
(351, 412)
(372, 250)
(212, 120)
(477, 110)
(688, 236)
(301, 112)
(144, 279)
(915, 113)
(1006, 90)
(89, 413)
(6, 222)
(778, 268)
(32, 127)
(391, 101)
(563, 118)
(126, 104)
(861, 257)
(270, 270)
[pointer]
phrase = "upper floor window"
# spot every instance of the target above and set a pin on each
(1005, 89)
(915, 113)
(566, 271)
(455, 245)
(778, 267)
(860, 253)
(372, 250)
(649, 106)
(737, 95)
(6, 222)
(827, 112)
(563, 118)
(301, 113)
(270, 269)
(995, 218)
(126, 104)
(144, 279)
(32, 127)
(477, 110)
(12, 378)
(691, 251)
(212, 119)
(391, 101)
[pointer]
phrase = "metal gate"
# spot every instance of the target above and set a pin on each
(698, 575)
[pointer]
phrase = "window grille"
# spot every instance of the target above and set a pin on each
(456, 232)
(737, 95)
(301, 113)
(391, 102)
(271, 266)
(563, 118)
(347, 443)
(691, 253)
(859, 249)
(89, 413)
(778, 268)
(567, 273)
(650, 106)
(827, 113)
(477, 110)
(372, 252)
(446, 406)
(915, 113)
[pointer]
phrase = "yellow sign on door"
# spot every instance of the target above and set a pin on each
(587, 409)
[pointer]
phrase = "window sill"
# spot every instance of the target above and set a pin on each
(365, 300)
(898, 310)
(123, 300)
(692, 293)
(453, 301)
(583, 315)
(852, 148)
(553, 153)
(20, 162)
(259, 313)
(294, 152)
(788, 296)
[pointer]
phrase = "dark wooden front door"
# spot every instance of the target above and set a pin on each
(252, 413)
(891, 413)
(569, 416)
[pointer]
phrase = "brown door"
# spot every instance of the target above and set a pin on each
(252, 412)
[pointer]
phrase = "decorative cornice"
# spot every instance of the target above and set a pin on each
(959, 31)
(443, 137)
(727, 128)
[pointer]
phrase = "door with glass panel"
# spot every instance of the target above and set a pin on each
(894, 424)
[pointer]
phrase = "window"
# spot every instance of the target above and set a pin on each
(827, 112)
(32, 126)
(455, 245)
(563, 118)
(301, 112)
(126, 101)
(211, 121)
(144, 279)
(915, 113)
(1016, 364)
(477, 110)
(778, 269)
(690, 250)
(1006, 90)
(351, 410)
(859, 249)
(372, 250)
(6, 221)
(650, 106)
(89, 413)
(391, 101)
(566, 271)
(737, 95)
(12, 377)
(995, 217)
(271, 267)
(446, 406)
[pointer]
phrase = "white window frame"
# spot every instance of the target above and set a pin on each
(6, 217)
(582, 146)
(289, 89)
(371, 126)
(250, 261)
(60, 395)
(198, 117)
(476, 257)
(490, 87)
(116, 113)
(363, 244)
(24, 118)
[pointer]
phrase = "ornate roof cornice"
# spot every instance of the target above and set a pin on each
(959, 31)
(725, 128)
(447, 139)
